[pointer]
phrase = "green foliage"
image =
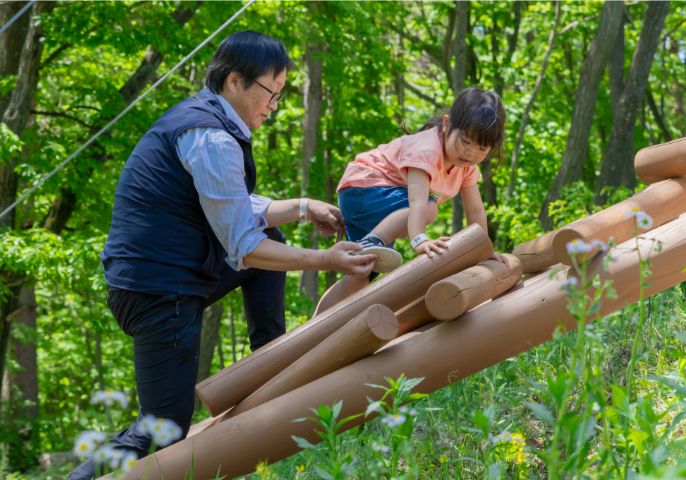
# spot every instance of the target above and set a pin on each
(10, 144)
(382, 67)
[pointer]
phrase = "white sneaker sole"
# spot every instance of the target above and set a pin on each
(387, 259)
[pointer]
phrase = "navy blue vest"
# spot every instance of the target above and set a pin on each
(160, 241)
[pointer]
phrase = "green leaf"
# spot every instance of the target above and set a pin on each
(542, 412)
(302, 443)
(681, 336)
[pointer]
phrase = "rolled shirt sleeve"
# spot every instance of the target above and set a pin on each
(215, 161)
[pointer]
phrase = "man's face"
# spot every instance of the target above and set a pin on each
(255, 103)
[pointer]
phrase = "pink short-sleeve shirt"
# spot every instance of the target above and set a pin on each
(387, 164)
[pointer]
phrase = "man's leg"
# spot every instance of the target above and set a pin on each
(166, 334)
(264, 293)
(264, 297)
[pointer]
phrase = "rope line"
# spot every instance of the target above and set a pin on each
(16, 16)
(123, 112)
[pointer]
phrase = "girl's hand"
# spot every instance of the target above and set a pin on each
(438, 246)
(500, 258)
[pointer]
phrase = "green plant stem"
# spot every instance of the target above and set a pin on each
(632, 361)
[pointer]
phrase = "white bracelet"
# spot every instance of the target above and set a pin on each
(302, 216)
(421, 238)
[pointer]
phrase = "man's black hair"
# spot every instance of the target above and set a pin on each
(250, 54)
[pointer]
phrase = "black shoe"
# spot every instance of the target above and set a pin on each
(387, 258)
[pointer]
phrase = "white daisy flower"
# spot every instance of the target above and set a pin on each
(84, 447)
(644, 221)
(578, 246)
(393, 420)
(631, 213)
(601, 246)
(164, 432)
(145, 425)
(571, 282)
(129, 461)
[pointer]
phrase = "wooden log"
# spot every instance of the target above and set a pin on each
(359, 338)
(660, 162)
(449, 298)
(231, 385)
(413, 316)
(536, 255)
(663, 201)
(449, 351)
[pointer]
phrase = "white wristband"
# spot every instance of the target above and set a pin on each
(302, 216)
(421, 238)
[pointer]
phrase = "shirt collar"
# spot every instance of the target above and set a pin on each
(233, 116)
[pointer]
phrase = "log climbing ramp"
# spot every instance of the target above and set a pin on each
(443, 319)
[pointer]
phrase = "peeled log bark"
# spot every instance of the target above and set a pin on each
(663, 201)
(451, 297)
(359, 338)
(447, 352)
(661, 162)
(413, 316)
(232, 384)
(536, 255)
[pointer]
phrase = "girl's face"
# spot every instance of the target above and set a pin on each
(460, 150)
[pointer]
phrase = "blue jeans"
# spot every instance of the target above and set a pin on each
(364, 208)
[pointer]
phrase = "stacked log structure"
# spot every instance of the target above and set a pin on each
(231, 385)
(443, 354)
(339, 354)
(664, 199)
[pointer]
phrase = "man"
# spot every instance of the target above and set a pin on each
(187, 229)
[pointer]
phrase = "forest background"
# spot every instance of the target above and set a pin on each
(585, 85)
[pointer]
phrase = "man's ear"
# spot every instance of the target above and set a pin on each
(446, 122)
(231, 82)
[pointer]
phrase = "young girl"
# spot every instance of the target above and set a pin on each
(393, 190)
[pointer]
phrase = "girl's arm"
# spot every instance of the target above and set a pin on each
(418, 187)
(476, 213)
(418, 197)
(474, 207)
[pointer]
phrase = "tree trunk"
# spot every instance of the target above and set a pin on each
(23, 393)
(576, 151)
(209, 337)
(313, 113)
(16, 116)
(459, 76)
(525, 116)
(617, 168)
(11, 42)
(615, 69)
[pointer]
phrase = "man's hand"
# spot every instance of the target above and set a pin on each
(438, 246)
(341, 258)
(326, 218)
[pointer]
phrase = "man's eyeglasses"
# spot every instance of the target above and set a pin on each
(275, 96)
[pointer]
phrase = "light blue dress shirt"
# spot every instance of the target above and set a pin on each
(215, 161)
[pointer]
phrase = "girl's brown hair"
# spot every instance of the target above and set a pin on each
(479, 114)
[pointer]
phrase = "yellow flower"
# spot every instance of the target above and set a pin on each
(263, 470)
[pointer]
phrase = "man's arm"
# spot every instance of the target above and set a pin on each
(326, 217)
(215, 161)
(271, 255)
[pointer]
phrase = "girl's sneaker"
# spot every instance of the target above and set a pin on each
(387, 258)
